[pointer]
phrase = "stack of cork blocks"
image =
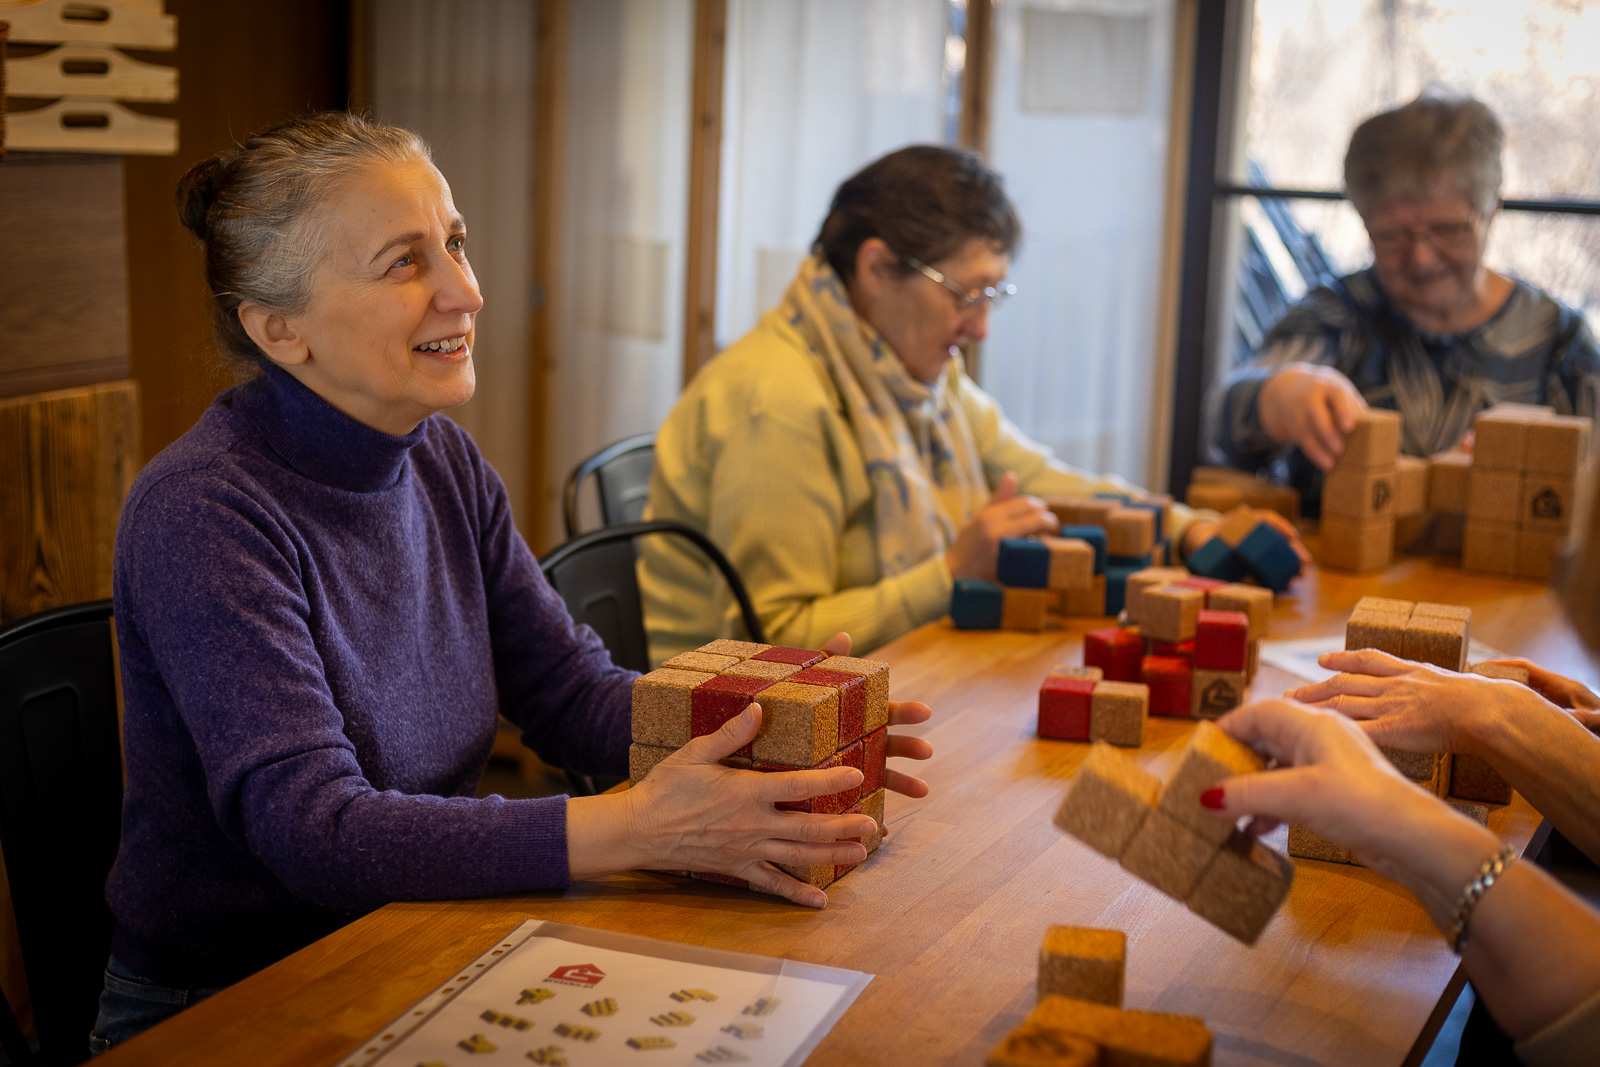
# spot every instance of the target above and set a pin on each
(1359, 495)
(1078, 704)
(1525, 469)
(1449, 475)
(1162, 835)
(818, 711)
(1222, 489)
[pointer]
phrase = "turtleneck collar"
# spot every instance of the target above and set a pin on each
(318, 440)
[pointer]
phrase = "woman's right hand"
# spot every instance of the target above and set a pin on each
(690, 813)
(1311, 407)
(977, 546)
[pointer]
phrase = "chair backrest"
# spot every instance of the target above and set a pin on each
(621, 477)
(595, 575)
(61, 810)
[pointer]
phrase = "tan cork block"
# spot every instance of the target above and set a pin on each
(1361, 495)
(1504, 671)
(1117, 713)
(1448, 476)
(1557, 445)
(1170, 612)
(1385, 605)
(1149, 578)
(1538, 553)
(1212, 694)
(872, 804)
(1356, 546)
(1500, 440)
(1494, 495)
(1094, 674)
(661, 706)
(1417, 766)
(1449, 533)
(1441, 642)
(641, 758)
(736, 649)
(1216, 496)
(760, 668)
(1375, 441)
(1424, 609)
(1253, 600)
(820, 876)
(1037, 1046)
(1547, 502)
(1490, 547)
(1209, 757)
(1085, 602)
(1478, 813)
(1080, 511)
(1414, 534)
(1083, 962)
(1168, 855)
(1071, 562)
(1130, 532)
(1023, 609)
(1144, 1038)
(1472, 778)
(876, 673)
(1307, 844)
(1237, 524)
(1410, 486)
(1107, 800)
(1439, 784)
(1243, 887)
(1372, 629)
(799, 724)
(701, 661)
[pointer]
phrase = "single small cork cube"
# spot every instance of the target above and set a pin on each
(1037, 1046)
(1142, 1038)
(1118, 652)
(1071, 562)
(1080, 511)
(661, 706)
(1064, 707)
(1494, 495)
(701, 661)
(1107, 800)
(1410, 486)
(760, 668)
(1306, 843)
(1243, 887)
(1084, 602)
(874, 753)
(1500, 440)
(1490, 547)
(1356, 546)
(1094, 674)
(852, 690)
(1425, 609)
(976, 604)
(799, 724)
(1217, 692)
(1448, 475)
(1557, 445)
(1361, 495)
(1171, 681)
(1374, 442)
(1547, 502)
(1252, 600)
(1168, 855)
(820, 876)
(1024, 563)
(1171, 612)
(1441, 642)
(1504, 671)
(1472, 778)
(870, 843)
(1094, 537)
(875, 713)
(1478, 813)
(798, 657)
(1220, 638)
(1383, 631)
(1023, 609)
(712, 703)
(641, 758)
(1117, 713)
(1210, 756)
(1083, 962)
(1538, 553)
(1130, 532)
(1417, 766)
(736, 649)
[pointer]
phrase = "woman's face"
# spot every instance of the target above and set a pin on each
(918, 317)
(387, 337)
(1428, 251)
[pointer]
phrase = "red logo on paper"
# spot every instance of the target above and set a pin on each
(578, 974)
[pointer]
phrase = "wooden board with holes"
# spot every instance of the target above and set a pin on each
(113, 22)
(87, 70)
(90, 125)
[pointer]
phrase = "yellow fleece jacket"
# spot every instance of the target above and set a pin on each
(759, 454)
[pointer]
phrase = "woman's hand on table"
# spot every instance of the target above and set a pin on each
(1311, 407)
(1007, 514)
(1562, 692)
(901, 713)
(1202, 530)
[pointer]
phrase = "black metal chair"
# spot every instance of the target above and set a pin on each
(60, 816)
(621, 475)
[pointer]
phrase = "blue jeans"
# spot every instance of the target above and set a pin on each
(131, 1005)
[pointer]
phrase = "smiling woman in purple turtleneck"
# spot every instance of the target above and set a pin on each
(322, 605)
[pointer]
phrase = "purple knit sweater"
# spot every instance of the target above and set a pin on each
(318, 623)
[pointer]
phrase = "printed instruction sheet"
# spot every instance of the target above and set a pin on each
(1299, 658)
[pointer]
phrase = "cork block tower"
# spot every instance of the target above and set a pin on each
(1360, 493)
(1526, 463)
(818, 711)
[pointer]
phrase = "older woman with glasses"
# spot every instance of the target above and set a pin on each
(839, 453)
(1427, 330)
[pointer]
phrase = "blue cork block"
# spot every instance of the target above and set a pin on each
(1215, 559)
(1268, 555)
(1117, 586)
(1138, 563)
(976, 604)
(1024, 563)
(1155, 509)
(1096, 536)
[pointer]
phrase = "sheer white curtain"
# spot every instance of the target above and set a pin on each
(814, 89)
(1079, 129)
(460, 73)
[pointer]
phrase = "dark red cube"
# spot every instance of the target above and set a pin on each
(827, 804)
(852, 697)
(1221, 641)
(1117, 652)
(1171, 682)
(1180, 649)
(1064, 708)
(805, 657)
(712, 703)
(874, 757)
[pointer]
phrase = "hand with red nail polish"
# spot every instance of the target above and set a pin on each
(1212, 798)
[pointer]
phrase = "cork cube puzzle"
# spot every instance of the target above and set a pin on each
(817, 711)
(1521, 480)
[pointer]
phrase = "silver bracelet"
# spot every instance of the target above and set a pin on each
(1488, 874)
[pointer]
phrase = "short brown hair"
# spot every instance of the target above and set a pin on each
(1411, 149)
(923, 201)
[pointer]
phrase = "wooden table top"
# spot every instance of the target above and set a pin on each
(950, 913)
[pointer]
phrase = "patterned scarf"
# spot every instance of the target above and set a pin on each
(927, 476)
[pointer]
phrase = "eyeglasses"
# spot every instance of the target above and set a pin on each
(966, 299)
(1442, 236)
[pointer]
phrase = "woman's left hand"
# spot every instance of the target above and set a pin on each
(901, 713)
(1203, 530)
